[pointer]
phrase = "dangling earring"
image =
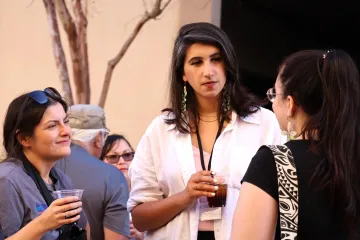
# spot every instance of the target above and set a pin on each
(290, 133)
(226, 103)
(183, 102)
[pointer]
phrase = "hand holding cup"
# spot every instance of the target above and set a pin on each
(200, 184)
(60, 212)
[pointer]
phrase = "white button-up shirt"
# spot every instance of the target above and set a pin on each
(164, 163)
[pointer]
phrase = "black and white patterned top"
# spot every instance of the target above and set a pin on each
(314, 215)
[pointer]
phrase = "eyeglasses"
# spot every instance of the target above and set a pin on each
(114, 158)
(271, 94)
(41, 97)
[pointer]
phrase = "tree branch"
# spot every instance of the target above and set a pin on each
(81, 29)
(145, 5)
(206, 4)
(58, 50)
(70, 29)
(86, 7)
(165, 5)
(156, 11)
(31, 3)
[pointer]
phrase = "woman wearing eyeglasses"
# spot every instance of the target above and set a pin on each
(308, 188)
(118, 151)
(36, 134)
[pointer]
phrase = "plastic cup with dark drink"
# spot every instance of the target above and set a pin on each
(219, 200)
(72, 230)
(68, 193)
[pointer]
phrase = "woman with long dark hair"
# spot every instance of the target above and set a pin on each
(212, 128)
(36, 134)
(316, 100)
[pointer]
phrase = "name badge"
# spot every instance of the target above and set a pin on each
(207, 213)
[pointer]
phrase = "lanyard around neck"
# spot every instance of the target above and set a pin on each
(201, 148)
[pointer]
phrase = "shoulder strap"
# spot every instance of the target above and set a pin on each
(288, 191)
(66, 231)
(32, 172)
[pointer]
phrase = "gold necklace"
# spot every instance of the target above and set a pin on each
(207, 116)
(208, 120)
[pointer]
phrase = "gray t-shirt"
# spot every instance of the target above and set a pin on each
(1, 234)
(20, 199)
(105, 191)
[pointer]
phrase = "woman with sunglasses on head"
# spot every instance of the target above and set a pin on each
(212, 128)
(36, 134)
(118, 151)
(309, 188)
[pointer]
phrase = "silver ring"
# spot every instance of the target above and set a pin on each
(65, 216)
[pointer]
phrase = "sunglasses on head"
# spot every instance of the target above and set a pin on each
(114, 158)
(40, 97)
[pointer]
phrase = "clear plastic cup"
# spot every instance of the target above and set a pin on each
(68, 193)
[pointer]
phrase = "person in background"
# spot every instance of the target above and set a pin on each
(36, 135)
(212, 126)
(105, 188)
(316, 99)
(119, 152)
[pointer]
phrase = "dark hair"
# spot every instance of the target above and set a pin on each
(30, 117)
(110, 143)
(241, 101)
(326, 87)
